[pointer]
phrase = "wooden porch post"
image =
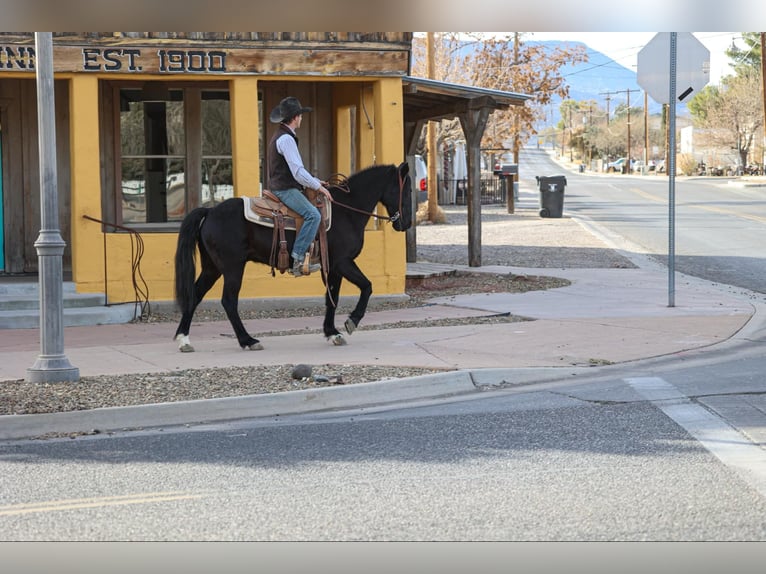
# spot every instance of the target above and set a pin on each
(473, 122)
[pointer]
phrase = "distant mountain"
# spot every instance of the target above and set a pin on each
(598, 79)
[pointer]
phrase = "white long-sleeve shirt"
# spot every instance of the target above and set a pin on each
(289, 149)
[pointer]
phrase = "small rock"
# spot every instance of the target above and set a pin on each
(301, 371)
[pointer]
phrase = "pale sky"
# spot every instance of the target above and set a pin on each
(623, 47)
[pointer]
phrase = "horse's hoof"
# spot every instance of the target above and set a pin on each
(254, 347)
(337, 340)
(184, 345)
(350, 326)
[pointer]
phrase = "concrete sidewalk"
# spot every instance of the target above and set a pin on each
(605, 316)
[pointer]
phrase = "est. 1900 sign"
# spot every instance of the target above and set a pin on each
(166, 60)
(97, 59)
(129, 60)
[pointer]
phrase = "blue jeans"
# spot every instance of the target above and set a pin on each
(299, 203)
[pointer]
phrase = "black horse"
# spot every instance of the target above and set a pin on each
(227, 241)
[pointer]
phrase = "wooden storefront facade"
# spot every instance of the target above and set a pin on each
(151, 125)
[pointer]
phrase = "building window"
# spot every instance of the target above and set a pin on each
(173, 152)
(217, 168)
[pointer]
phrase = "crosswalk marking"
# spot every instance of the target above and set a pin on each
(713, 433)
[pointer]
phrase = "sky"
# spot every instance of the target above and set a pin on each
(623, 47)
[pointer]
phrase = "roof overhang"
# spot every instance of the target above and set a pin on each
(426, 99)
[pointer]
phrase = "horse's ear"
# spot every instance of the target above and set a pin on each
(404, 169)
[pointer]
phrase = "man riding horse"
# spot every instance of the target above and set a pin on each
(288, 177)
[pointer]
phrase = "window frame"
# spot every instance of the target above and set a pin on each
(112, 152)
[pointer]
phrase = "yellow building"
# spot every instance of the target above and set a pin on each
(152, 125)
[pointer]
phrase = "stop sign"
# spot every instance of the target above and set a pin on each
(692, 66)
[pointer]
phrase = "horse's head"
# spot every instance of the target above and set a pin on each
(397, 198)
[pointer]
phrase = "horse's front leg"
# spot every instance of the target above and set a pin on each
(350, 271)
(331, 300)
(232, 283)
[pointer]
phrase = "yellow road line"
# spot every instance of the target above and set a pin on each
(719, 210)
(79, 503)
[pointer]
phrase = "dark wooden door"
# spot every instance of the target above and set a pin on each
(21, 177)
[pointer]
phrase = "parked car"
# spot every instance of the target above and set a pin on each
(421, 178)
(618, 165)
(640, 167)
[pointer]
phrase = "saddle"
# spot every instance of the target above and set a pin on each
(268, 211)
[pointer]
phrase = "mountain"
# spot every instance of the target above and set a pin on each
(598, 79)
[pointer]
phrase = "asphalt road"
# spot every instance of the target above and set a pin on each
(718, 227)
(593, 461)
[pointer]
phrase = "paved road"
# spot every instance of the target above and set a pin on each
(719, 223)
(607, 459)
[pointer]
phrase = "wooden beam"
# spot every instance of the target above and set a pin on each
(473, 123)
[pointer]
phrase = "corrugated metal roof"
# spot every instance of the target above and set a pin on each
(426, 99)
(463, 91)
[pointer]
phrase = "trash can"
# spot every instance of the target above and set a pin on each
(551, 194)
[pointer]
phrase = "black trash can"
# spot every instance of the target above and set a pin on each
(551, 194)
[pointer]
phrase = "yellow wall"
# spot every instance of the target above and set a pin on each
(380, 140)
(87, 241)
(389, 148)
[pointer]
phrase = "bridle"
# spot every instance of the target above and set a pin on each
(341, 182)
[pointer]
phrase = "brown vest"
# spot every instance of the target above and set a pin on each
(280, 176)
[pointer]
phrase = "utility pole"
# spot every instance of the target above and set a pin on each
(431, 136)
(628, 158)
(516, 123)
(646, 130)
(763, 94)
(628, 91)
(608, 99)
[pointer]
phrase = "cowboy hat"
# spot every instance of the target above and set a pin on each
(287, 108)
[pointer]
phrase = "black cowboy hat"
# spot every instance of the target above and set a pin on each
(287, 108)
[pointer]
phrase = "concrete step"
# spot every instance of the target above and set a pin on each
(73, 316)
(32, 302)
(20, 307)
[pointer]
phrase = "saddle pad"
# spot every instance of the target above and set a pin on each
(261, 210)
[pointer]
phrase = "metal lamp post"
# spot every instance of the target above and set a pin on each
(51, 365)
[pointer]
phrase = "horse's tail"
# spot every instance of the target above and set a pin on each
(188, 239)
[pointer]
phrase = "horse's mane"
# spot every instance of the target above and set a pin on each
(372, 171)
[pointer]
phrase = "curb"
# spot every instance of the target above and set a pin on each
(205, 411)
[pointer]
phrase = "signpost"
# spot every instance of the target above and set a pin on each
(669, 61)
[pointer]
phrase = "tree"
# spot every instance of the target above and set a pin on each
(738, 117)
(746, 60)
(733, 112)
(502, 63)
(708, 99)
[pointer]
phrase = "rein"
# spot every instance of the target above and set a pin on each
(341, 182)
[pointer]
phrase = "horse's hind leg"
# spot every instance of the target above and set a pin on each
(232, 283)
(207, 278)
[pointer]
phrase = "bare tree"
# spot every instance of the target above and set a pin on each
(732, 113)
(501, 63)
